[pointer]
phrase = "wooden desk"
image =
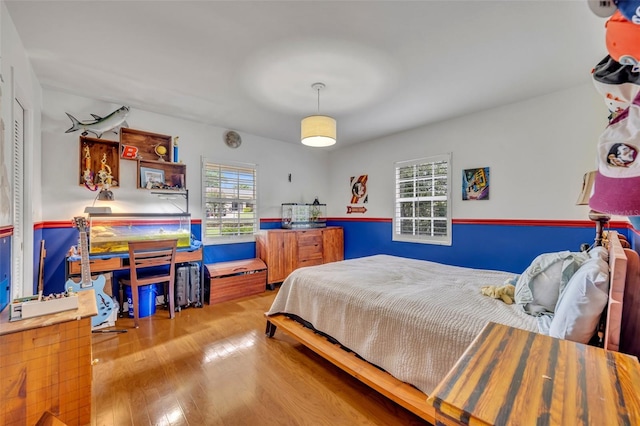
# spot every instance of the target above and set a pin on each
(45, 365)
(118, 263)
(106, 265)
(510, 376)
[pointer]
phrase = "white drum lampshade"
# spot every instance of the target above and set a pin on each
(318, 131)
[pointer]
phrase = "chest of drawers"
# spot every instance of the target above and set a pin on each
(284, 250)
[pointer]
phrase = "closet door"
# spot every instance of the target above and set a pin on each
(18, 274)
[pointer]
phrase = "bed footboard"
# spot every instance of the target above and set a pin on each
(271, 329)
(400, 392)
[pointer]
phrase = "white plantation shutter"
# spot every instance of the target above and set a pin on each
(422, 211)
(18, 274)
(230, 202)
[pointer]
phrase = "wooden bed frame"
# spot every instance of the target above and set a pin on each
(623, 322)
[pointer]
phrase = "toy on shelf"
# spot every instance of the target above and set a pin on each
(87, 174)
(160, 151)
(175, 150)
(104, 175)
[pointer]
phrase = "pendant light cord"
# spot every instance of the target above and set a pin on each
(318, 86)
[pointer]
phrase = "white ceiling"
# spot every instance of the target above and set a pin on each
(249, 65)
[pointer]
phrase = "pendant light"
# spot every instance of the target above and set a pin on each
(318, 130)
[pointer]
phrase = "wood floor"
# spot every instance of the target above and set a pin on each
(215, 366)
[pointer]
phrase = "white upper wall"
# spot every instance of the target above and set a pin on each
(19, 81)
(537, 151)
(64, 197)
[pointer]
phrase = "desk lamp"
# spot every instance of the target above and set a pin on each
(105, 194)
(171, 195)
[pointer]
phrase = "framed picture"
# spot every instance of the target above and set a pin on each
(155, 176)
(475, 184)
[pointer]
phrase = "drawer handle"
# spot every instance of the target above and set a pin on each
(241, 268)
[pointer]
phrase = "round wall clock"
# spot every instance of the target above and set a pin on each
(232, 139)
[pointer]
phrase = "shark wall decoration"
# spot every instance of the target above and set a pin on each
(100, 125)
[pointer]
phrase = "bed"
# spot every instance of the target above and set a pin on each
(375, 318)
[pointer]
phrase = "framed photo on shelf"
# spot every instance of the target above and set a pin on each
(153, 176)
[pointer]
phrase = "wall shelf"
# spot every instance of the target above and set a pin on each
(142, 145)
(98, 159)
(173, 175)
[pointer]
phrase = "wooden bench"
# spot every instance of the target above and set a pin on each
(235, 279)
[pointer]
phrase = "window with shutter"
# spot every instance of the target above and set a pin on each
(230, 202)
(422, 211)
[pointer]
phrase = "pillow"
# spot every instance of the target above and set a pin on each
(582, 302)
(540, 285)
(600, 252)
(544, 323)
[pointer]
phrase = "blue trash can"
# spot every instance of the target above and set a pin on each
(146, 300)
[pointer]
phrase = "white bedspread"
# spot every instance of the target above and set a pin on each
(412, 318)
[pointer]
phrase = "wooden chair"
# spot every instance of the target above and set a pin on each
(148, 254)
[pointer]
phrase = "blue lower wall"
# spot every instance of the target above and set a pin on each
(58, 242)
(37, 238)
(500, 246)
(486, 246)
(634, 239)
(5, 271)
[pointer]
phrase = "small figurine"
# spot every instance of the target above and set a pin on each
(175, 149)
(160, 151)
(104, 175)
(87, 174)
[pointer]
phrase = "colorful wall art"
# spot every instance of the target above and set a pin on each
(475, 184)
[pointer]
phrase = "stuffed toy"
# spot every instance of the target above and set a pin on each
(505, 292)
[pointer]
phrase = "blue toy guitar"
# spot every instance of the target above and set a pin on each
(104, 301)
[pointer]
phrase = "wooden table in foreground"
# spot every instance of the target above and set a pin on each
(45, 365)
(511, 376)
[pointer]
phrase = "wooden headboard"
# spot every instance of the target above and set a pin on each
(623, 316)
(629, 337)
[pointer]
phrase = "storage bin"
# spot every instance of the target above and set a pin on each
(146, 300)
(231, 280)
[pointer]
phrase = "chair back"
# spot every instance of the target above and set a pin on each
(150, 253)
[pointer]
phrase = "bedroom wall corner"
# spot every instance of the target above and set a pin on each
(537, 150)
